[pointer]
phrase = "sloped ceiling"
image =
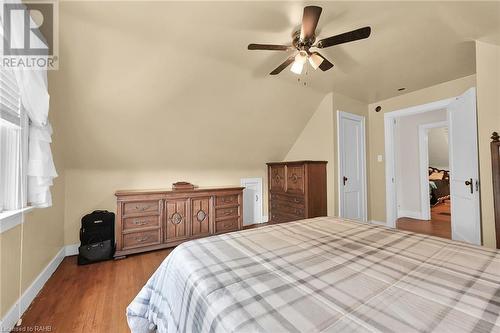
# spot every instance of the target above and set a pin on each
(155, 84)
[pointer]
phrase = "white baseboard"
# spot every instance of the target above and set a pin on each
(71, 250)
(377, 222)
(17, 310)
(411, 214)
(10, 319)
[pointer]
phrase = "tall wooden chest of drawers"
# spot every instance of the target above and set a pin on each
(297, 190)
(154, 219)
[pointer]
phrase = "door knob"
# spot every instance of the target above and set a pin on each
(470, 184)
(345, 179)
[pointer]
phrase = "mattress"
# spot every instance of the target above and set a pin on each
(321, 275)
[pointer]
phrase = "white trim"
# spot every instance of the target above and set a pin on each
(265, 218)
(390, 168)
(390, 173)
(340, 143)
(423, 148)
(71, 250)
(417, 109)
(378, 223)
(258, 181)
(411, 214)
(12, 218)
(12, 316)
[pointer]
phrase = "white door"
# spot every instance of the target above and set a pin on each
(252, 200)
(464, 174)
(352, 168)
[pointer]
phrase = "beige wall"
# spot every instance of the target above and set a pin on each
(27, 249)
(318, 140)
(87, 190)
(316, 143)
(488, 117)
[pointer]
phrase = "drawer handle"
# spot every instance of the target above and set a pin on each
(296, 200)
(201, 215)
(140, 222)
(176, 218)
(294, 177)
(143, 208)
(227, 225)
(224, 199)
(141, 239)
(229, 212)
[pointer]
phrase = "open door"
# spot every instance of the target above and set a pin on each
(464, 173)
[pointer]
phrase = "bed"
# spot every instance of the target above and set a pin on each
(321, 275)
(439, 185)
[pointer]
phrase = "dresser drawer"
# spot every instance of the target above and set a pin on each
(131, 223)
(140, 239)
(288, 210)
(226, 225)
(222, 200)
(295, 175)
(227, 212)
(292, 199)
(141, 207)
(277, 178)
(278, 217)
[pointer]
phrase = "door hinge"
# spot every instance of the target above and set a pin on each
(477, 185)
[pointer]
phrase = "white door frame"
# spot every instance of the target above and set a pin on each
(390, 160)
(341, 115)
(243, 181)
(423, 148)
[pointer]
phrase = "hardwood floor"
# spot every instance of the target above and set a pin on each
(91, 298)
(439, 225)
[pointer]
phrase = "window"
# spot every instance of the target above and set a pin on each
(13, 144)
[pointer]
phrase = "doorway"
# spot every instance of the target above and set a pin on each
(434, 217)
(463, 174)
(351, 166)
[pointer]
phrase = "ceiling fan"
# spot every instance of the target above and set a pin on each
(305, 39)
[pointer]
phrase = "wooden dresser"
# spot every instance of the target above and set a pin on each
(297, 190)
(154, 219)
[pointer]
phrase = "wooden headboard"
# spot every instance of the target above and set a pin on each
(495, 164)
(446, 173)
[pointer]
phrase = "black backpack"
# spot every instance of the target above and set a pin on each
(97, 237)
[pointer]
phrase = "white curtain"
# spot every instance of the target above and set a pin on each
(35, 100)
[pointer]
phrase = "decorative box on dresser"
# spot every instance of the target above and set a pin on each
(297, 190)
(154, 219)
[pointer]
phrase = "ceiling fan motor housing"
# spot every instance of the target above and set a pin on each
(302, 44)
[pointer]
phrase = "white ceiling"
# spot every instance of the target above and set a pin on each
(413, 44)
(149, 84)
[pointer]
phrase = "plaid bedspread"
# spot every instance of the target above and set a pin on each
(321, 275)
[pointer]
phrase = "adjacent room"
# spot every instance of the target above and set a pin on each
(249, 166)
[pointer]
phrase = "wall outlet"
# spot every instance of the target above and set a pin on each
(380, 158)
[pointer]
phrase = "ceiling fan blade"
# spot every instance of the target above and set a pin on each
(346, 37)
(270, 47)
(310, 20)
(284, 65)
(325, 64)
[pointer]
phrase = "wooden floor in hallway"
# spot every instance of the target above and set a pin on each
(439, 225)
(91, 298)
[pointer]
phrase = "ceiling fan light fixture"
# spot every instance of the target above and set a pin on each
(297, 67)
(315, 60)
